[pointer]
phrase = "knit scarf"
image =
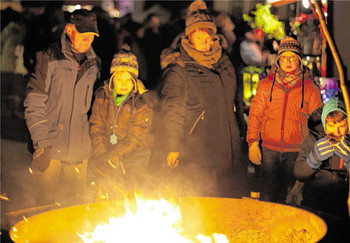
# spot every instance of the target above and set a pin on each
(288, 80)
(204, 58)
(119, 99)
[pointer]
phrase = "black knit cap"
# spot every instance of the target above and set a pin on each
(85, 21)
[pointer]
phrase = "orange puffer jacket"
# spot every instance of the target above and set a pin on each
(281, 123)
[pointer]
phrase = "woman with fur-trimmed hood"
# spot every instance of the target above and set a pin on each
(198, 100)
(121, 119)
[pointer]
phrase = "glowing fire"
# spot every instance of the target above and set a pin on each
(151, 221)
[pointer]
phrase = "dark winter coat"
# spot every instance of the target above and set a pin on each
(130, 122)
(332, 170)
(198, 106)
(58, 99)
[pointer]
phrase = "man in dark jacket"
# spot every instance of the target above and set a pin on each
(58, 99)
(198, 104)
(323, 160)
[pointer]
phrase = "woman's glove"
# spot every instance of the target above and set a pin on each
(255, 153)
(322, 150)
(41, 159)
(342, 149)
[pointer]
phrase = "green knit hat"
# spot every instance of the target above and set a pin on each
(333, 104)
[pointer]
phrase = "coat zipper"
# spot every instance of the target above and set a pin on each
(283, 120)
(201, 116)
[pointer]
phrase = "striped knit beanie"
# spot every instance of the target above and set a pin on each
(125, 60)
(199, 18)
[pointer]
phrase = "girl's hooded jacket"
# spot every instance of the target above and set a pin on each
(130, 122)
(278, 116)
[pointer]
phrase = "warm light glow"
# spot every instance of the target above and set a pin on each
(4, 197)
(306, 3)
(151, 221)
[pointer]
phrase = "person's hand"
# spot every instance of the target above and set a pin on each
(115, 162)
(173, 159)
(295, 195)
(322, 150)
(255, 153)
(41, 159)
(342, 149)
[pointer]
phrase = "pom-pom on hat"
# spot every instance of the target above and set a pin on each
(199, 18)
(125, 60)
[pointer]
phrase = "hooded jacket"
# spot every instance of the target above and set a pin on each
(58, 99)
(130, 122)
(281, 123)
(302, 170)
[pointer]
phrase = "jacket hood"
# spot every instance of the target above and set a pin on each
(170, 56)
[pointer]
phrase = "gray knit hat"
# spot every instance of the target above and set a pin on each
(199, 18)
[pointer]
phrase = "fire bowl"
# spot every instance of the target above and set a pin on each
(240, 220)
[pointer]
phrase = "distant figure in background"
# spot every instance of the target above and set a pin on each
(226, 27)
(152, 44)
(120, 125)
(278, 119)
(58, 99)
(251, 49)
(323, 160)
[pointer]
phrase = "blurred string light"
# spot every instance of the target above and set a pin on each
(306, 3)
(72, 8)
(114, 13)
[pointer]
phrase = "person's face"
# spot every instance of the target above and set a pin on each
(335, 129)
(80, 41)
(289, 62)
(123, 83)
(201, 40)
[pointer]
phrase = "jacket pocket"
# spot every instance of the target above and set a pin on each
(200, 117)
(88, 96)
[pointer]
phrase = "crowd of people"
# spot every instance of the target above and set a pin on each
(141, 109)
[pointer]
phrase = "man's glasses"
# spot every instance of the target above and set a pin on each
(291, 58)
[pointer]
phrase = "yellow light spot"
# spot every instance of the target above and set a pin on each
(4, 197)
(30, 170)
(25, 219)
(77, 170)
